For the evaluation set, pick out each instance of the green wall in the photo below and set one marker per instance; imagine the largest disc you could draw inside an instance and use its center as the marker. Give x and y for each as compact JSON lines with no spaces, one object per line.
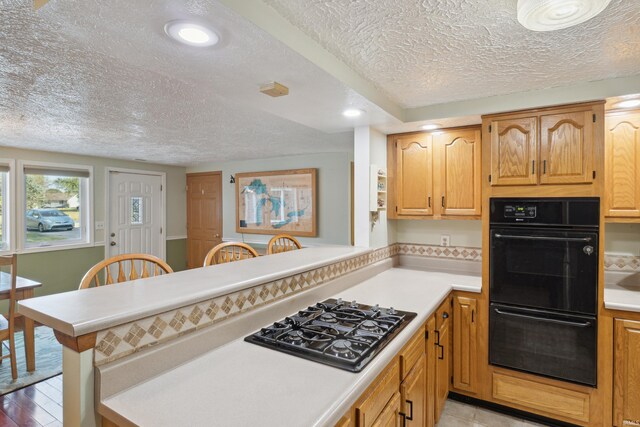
{"x":61,"y":271}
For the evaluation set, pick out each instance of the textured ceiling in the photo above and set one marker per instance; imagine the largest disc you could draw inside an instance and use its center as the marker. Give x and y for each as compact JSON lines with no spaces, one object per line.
{"x":437,"y":51}
{"x":101,"y":78}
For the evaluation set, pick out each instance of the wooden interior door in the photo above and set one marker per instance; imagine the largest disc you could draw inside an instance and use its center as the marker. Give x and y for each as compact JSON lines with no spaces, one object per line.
{"x":514,"y":151}
{"x":626,"y":385}
{"x":460,"y":162}
{"x":622,"y":165}
{"x":566,"y":148}
{"x":204,"y":215}
{"x":414,"y":154}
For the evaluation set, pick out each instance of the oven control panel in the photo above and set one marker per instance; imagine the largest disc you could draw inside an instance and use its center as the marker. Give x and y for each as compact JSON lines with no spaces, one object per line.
{"x":519,"y":211}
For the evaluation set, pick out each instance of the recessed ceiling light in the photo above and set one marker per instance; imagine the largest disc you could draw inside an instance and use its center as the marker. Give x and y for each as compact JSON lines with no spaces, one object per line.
{"x":629,"y":103}
{"x":548,"y":15}
{"x":431,"y":126}
{"x":191,"y":34}
{"x":352,"y":112}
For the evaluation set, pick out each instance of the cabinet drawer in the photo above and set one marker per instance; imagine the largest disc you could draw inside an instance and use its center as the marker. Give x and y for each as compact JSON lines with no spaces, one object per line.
{"x":411,"y":353}
{"x":542,"y":397}
{"x":379,"y":395}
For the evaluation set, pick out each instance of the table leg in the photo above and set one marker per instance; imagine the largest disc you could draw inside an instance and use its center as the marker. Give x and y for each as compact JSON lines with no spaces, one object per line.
{"x":29,"y":337}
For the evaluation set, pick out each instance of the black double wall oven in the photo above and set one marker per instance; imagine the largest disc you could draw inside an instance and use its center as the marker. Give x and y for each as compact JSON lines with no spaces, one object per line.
{"x":543,"y":286}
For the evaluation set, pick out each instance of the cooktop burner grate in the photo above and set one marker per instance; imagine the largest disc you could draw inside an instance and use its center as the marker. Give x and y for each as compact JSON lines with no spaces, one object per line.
{"x":334,"y":332}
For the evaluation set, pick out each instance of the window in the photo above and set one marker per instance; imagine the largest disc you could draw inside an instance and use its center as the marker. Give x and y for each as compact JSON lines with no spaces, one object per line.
{"x":5,"y":243}
{"x":57,"y":205}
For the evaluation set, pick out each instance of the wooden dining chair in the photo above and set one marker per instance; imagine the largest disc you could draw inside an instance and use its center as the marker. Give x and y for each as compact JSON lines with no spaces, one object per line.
{"x":229,"y":252}
{"x":149,"y":266}
{"x":7,"y":326}
{"x":282,"y":243}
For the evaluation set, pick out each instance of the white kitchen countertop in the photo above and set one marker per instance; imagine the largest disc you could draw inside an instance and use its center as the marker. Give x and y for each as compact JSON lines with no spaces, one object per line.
{"x":89,"y":310}
{"x":622,"y":291}
{"x":244,"y":384}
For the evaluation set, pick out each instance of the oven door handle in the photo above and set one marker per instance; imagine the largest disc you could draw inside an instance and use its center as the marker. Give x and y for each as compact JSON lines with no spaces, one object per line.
{"x":543,"y":238}
{"x":544,"y":319}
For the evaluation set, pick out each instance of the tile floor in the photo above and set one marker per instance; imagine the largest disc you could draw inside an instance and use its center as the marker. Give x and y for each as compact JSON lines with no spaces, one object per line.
{"x":458,"y":414}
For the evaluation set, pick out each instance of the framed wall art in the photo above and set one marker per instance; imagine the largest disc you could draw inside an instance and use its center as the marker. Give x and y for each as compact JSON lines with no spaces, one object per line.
{"x":277,"y":202}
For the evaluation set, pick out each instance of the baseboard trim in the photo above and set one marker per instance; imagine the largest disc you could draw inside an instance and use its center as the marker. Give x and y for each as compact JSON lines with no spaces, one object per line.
{"x":509,"y":411}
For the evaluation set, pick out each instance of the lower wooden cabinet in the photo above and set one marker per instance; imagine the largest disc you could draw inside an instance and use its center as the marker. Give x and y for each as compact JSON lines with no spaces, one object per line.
{"x":413,"y":392}
{"x":390,"y":415}
{"x":626,"y":371}
{"x":378,"y":395}
{"x":443,"y":355}
{"x":465,"y":353}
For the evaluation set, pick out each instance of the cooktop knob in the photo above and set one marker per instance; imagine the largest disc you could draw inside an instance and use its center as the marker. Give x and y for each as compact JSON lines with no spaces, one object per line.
{"x":391,"y":311}
{"x":354,"y":304}
{"x":375,"y":308}
{"x":339,"y":301}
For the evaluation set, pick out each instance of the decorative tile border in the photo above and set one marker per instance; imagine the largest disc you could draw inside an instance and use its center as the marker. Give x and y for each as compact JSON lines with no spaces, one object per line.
{"x":621,"y":263}
{"x":120,"y":341}
{"x":433,"y":251}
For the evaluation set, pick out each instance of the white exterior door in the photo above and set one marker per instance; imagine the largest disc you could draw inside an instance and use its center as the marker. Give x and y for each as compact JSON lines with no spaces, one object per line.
{"x":136,"y":214}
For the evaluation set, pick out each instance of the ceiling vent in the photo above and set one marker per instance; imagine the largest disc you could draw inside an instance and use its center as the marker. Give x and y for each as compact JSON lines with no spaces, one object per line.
{"x":274,"y":89}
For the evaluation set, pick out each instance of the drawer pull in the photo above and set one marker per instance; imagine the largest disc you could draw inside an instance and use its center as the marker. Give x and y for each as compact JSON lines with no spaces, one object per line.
{"x":410,"y":416}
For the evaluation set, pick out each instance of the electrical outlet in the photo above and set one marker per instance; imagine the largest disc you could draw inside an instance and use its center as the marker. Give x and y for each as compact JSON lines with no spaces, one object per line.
{"x":444,"y":240}
{"x":99,"y":225}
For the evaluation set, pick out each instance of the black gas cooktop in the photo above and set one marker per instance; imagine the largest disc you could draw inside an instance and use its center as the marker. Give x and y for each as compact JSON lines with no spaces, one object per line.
{"x":346,"y":335}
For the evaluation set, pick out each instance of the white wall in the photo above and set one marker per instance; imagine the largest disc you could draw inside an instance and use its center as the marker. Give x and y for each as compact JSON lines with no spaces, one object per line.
{"x":622,"y":239}
{"x":384,"y":232}
{"x":334,"y":170}
{"x":427,"y":232}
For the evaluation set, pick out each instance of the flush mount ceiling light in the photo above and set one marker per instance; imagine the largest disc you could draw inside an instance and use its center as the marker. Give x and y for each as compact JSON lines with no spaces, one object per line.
{"x":431,"y":126}
{"x":629,"y":103}
{"x":352,"y":112}
{"x":549,"y":15}
{"x":191,"y":34}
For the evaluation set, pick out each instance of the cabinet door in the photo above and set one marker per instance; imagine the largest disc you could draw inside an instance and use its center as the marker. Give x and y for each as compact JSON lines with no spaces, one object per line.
{"x":390,"y":415}
{"x":514,"y":151}
{"x":442,"y":368}
{"x":414,"y":191}
{"x":459,"y":161}
{"x":430,"y":369}
{"x":413,"y":392}
{"x":626,"y":386}
{"x":464,"y":344}
{"x":622,"y":165}
{"x":566,"y":148}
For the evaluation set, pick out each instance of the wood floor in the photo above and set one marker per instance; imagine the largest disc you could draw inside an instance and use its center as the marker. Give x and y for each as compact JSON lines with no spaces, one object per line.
{"x":37,"y":405}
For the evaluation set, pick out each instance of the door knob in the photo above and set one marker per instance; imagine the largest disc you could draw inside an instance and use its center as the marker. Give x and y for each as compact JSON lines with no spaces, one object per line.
{"x":113,"y":243}
{"x":113,"y":234}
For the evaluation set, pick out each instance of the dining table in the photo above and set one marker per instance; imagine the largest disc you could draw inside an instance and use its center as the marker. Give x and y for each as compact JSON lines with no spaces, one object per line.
{"x":25,"y":288}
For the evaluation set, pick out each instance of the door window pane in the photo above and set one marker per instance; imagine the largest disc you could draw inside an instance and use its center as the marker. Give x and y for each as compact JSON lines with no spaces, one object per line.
{"x":55,"y":208}
{"x":136,"y":211}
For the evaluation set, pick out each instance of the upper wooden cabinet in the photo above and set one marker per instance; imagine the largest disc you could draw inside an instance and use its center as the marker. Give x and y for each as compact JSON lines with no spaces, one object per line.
{"x":566,"y":147}
{"x":547,"y":146}
{"x":414,"y":172}
{"x":626,"y":384}
{"x":622,"y":165}
{"x":514,"y":151}
{"x":460,"y":160}
{"x":433,"y":175}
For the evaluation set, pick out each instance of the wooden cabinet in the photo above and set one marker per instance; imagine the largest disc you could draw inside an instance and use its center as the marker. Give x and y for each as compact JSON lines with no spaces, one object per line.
{"x":434,"y":175}
{"x":622,"y":165}
{"x":465,"y":354}
{"x":414,"y":174}
{"x":413,"y":392}
{"x":459,"y":163}
{"x":514,"y":151}
{"x":443,"y":351}
{"x":379,"y":394}
{"x":390,"y":415}
{"x":626,"y":387}
{"x":430,"y":371}
{"x":547,"y":146}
